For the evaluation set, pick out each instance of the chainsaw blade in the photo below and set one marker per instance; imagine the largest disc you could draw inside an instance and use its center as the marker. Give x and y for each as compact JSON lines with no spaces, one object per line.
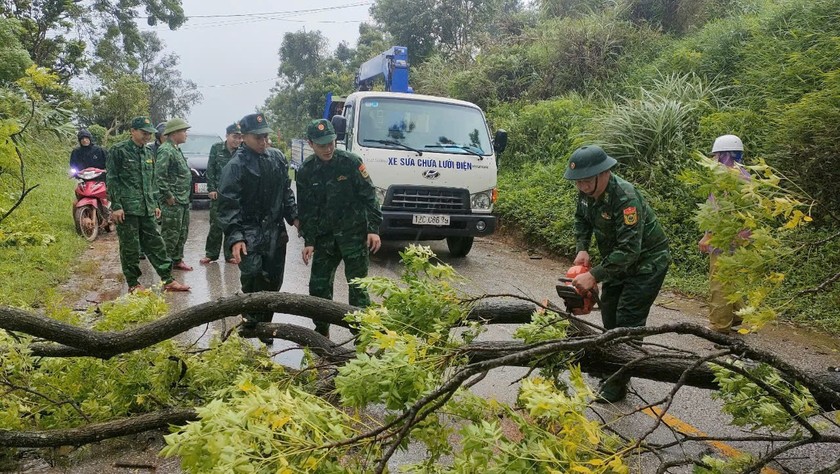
{"x":570,"y":296}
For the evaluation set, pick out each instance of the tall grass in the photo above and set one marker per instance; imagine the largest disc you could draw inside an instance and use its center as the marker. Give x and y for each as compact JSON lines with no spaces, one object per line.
{"x":31,"y":273}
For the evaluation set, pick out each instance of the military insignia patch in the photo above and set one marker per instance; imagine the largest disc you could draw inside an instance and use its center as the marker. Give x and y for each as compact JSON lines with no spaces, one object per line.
{"x":572,"y":165}
{"x":259,"y":118}
{"x":321,"y":127}
{"x":363,"y":171}
{"x":342,"y":178}
{"x":630,"y":216}
{"x":146,"y":121}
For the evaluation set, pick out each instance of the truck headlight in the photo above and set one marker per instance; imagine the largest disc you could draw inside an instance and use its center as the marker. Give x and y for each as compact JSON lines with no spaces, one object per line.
{"x":481,"y":201}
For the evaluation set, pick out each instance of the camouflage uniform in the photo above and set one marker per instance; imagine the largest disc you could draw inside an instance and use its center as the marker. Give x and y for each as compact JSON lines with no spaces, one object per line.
{"x":338,"y":209}
{"x":255,"y":195}
{"x":632,"y":244}
{"x":174,"y":180}
{"x":634,"y":249}
{"x":219,"y":157}
{"x":130,"y":180}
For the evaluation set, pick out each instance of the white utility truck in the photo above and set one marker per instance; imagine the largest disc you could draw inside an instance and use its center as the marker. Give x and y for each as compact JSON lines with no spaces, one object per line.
{"x":432,"y":159}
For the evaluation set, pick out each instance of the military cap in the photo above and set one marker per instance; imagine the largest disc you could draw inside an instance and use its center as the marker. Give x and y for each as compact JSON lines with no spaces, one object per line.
{"x":254,"y":124}
{"x":175,"y":125}
{"x":160,"y":128}
{"x":233,"y":128}
{"x":320,"y":132}
{"x":588,"y":161}
{"x":142,"y":123}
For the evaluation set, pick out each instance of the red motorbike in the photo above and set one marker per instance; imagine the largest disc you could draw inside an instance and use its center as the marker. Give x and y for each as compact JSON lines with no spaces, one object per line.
{"x":92,"y":210}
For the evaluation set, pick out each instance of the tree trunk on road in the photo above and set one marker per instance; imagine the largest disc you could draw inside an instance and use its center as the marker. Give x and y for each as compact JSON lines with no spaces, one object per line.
{"x":599,"y":352}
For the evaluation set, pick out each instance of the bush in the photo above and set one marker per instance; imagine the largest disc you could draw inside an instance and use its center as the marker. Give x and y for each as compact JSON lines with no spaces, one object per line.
{"x":584,"y":54}
{"x":538,"y":201}
{"x":542,"y":132}
{"x":677,"y":16}
{"x":653,"y":135}
{"x":806,"y":142}
{"x":815,"y":263}
{"x":503,"y":75}
{"x":45,"y":222}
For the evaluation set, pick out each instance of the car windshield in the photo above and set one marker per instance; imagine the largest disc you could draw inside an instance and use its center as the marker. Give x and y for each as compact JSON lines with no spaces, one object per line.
{"x":198,"y":144}
{"x":423,"y":125}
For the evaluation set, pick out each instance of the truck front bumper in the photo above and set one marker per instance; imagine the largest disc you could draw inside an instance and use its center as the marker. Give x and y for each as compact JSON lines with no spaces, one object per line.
{"x":399,"y":225}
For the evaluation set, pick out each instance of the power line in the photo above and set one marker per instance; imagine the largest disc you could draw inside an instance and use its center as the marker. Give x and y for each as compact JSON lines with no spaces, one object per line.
{"x":242,"y":18}
{"x":212,"y":86}
{"x":310,"y":10}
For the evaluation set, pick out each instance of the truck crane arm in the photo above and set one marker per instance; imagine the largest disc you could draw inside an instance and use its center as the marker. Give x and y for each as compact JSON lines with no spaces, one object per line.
{"x":392,"y":65}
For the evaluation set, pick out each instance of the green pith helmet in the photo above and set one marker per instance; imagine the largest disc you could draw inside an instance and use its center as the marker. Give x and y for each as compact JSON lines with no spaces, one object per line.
{"x":588,"y":161}
{"x":173,"y":125}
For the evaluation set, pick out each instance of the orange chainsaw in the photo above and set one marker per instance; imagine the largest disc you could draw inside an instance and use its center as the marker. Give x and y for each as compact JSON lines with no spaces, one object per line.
{"x":576,"y":302}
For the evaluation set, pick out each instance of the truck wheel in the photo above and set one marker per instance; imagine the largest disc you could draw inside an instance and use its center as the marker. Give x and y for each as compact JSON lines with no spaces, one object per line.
{"x":459,"y":246}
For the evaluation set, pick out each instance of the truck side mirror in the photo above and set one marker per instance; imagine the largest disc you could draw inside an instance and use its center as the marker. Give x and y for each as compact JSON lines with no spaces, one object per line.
{"x":500,"y":141}
{"x":339,"y":123}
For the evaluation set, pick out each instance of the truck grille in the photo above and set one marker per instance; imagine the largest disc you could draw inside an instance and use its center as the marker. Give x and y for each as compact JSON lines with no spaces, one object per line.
{"x":426,"y":199}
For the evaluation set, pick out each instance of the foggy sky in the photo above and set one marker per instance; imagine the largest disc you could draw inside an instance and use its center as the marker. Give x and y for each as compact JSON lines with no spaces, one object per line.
{"x":234,"y":60}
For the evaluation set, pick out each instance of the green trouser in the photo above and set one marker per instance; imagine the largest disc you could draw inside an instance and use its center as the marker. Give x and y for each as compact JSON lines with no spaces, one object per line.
{"x":330,"y":250}
{"x":215,"y":237}
{"x":262,"y":272}
{"x":626,"y":303}
{"x":174,"y":227}
{"x":140,"y":233}
{"x":721,"y":312}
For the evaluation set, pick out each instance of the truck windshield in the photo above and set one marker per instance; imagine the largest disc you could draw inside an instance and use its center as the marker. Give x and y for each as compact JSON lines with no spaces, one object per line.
{"x":433,"y":127}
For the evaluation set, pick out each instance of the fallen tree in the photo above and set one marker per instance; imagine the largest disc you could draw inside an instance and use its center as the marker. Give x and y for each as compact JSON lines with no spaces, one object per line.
{"x":556,"y":340}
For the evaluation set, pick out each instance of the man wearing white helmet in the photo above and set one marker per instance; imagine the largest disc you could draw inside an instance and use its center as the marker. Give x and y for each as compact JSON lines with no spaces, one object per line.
{"x":729,"y":151}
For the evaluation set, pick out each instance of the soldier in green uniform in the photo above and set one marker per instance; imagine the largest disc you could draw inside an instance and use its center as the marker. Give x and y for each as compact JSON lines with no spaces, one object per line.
{"x":339,"y":216}
{"x":220,"y":154}
{"x":159,"y":137}
{"x":255,"y":196}
{"x":134,"y":204}
{"x":174,"y":180}
{"x":633,"y":247}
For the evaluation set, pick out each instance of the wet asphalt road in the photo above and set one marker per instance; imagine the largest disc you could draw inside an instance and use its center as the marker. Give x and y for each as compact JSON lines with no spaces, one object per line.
{"x":496,"y":267}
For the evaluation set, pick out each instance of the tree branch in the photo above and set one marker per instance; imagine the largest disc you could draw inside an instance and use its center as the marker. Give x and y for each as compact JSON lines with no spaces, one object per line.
{"x":96,"y":431}
{"x":822,"y":285}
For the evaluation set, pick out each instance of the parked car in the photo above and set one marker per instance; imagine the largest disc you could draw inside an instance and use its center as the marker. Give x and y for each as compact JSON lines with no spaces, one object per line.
{"x":197,"y":151}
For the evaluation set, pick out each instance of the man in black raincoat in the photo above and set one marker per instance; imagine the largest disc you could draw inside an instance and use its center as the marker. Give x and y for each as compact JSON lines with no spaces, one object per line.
{"x":255,"y":196}
{"x":87,"y":155}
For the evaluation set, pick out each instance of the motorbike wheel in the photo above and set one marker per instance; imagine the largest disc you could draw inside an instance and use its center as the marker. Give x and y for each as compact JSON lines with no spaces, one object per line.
{"x":87,"y":222}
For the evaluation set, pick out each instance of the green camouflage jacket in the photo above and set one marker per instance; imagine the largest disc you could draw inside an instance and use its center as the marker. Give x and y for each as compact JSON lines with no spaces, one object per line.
{"x":130,"y":179}
{"x":174,"y":178}
{"x":255,"y":195}
{"x":219,"y":157}
{"x":336,"y":196}
{"x":630,"y":239}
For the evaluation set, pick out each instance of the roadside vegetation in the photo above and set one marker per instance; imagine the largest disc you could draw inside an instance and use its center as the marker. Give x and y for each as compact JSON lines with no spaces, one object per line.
{"x":652,"y":81}
{"x":43,"y":47}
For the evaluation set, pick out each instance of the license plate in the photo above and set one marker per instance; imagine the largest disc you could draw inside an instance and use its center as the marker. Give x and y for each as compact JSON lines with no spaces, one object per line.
{"x":201,"y":188}
{"x":430,"y":219}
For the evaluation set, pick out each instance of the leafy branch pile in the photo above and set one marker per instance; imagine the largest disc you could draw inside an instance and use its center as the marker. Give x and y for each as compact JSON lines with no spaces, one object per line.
{"x":406,"y":383}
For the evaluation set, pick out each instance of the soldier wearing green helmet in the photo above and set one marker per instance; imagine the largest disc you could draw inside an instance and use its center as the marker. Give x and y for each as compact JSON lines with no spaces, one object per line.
{"x":220,"y":155}
{"x":174,"y":181}
{"x":633,"y":247}
{"x":134,"y":204}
